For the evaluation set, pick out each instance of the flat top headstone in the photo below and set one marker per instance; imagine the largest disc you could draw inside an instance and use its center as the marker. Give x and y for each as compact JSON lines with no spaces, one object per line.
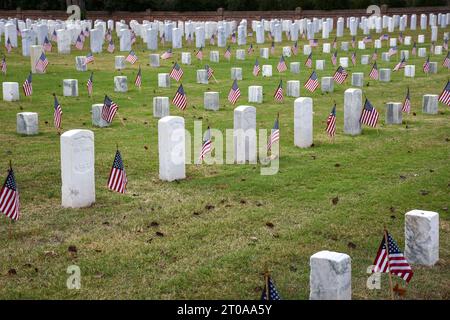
{"x":422,"y":213}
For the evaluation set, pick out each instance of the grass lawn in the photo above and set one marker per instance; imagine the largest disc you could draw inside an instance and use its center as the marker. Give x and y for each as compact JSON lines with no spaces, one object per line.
{"x":210,"y":236}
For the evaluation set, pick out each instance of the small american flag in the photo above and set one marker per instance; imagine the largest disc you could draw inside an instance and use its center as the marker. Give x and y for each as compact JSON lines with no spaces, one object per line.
{"x":400,"y":65}
{"x":331,"y":122}
{"x":3,"y":65}
{"x":274,"y":135}
{"x":90,"y":84}
{"x":79,"y":43}
{"x":392,"y":51}
{"x":8,"y":45}
{"x":82,"y":36}
{"x":138,"y":80}
{"x":233,"y":37}
{"x":133,"y":37}
{"x":353,"y":41}
{"x":109,"y":109}
{"x":54,"y":36}
{"x":272,"y":291}
{"x":406,"y":107}
{"x":272,"y":47}
{"x":132,"y":57}
{"x":335,"y":43}
{"x":392,"y":260}
{"x":108,"y":36}
{"x":281,"y":67}
{"x":308,"y":61}
{"x":57,"y":113}
{"x":86,"y":32}
{"x":89,"y":58}
{"x":334,"y":58}
{"x":9,"y":197}
{"x":313,"y":43}
{"x":47,"y":44}
{"x":445,"y":45}
{"x":227,"y":53}
{"x":206,"y":145}
{"x":446,"y":62}
{"x":374,"y":72}
{"x":250,"y":49}
{"x":210,"y":71}
{"x":234,"y":93}
{"x":199,"y":54}
{"x":375,"y":55}
{"x":426,"y":65}
{"x":400,"y":37}
{"x":369,"y":115}
{"x":163,"y":39}
{"x":212,"y":40}
{"x":414,"y":49}
{"x":117,"y":177}
{"x":256,"y":68}
{"x":111,"y":46}
{"x":176,"y":72}
{"x":279,"y":92}
{"x":42,"y":63}
{"x":295,"y":48}
{"x":28,"y":86}
{"x":444,"y":97}
{"x":353,"y":58}
{"x":180,"y":100}
{"x":340,"y":75}
{"x":432,"y":47}
{"x":189,"y":39}
{"x":367,"y":39}
{"x":313,"y":83}
{"x":166,"y":55}
{"x":384,"y":37}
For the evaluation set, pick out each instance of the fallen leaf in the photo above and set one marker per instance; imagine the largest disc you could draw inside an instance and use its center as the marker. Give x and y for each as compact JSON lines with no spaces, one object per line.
{"x":351,"y":245}
{"x":12,"y":272}
{"x":50,"y":253}
{"x":154,"y":224}
{"x":335,"y":200}
{"x":209,"y":207}
{"x":399,"y":290}
{"x":243,"y":201}
{"x":159,"y":234}
{"x":424,"y":192}
{"x":73,"y":249}
{"x":270,"y":224}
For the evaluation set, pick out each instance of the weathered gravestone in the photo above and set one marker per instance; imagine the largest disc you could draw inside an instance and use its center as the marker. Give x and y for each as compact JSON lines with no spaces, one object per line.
{"x":393,"y":113}
{"x":120,"y":84}
{"x":163,"y":80}
{"x":211,"y":100}
{"x":77,"y":168}
{"x":10,"y":91}
{"x":430,"y":104}
{"x":160,"y":107}
{"x":27,"y":123}
{"x":255,"y":94}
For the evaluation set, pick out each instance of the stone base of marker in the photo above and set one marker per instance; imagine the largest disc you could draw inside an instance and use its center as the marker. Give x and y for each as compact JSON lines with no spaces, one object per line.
{"x":120,"y":84}
{"x":211,"y":100}
{"x":171,"y":148}
{"x":410,"y":71}
{"x":293,"y":88}
{"x":264,"y":53}
{"x":330,"y":276}
{"x":344,"y":46}
{"x":422,"y":52}
{"x":240,"y":54}
{"x":422,"y":237}
{"x":119,"y":62}
{"x":365,"y":59}
{"x":27,"y":123}
{"x":438,"y":50}
{"x":326,"y":48}
{"x":267,"y":70}
{"x":236,"y":74}
{"x":163,"y":80}
{"x":80,"y":63}
{"x":306,"y":50}
{"x":385,"y":57}
{"x":10,"y":91}
{"x":303,"y":122}
{"x":154,"y":60}
{"x":160,"y":107}
{"x":287,"y":51}
{"x":320,"y":64}
{"x":214,"y":56}
{"x":70,"y":88}
{"x":255,"y":94}
{"x":393,"y":113}
{"x":357,"y":79}
{"x":327,"y":84}
{"x":430,"y":103}
{"x":352,"y":111}
{"x":97,"y":119}
{"x":202,"y":76}
{"x":77,"y":168}
{"x":294,"y":67}
{"x":343,"y":62}
{"x":186,"y":58}
{"x":385,"y":75}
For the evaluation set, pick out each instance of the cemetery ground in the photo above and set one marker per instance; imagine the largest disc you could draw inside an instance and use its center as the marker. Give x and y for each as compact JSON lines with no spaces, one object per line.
{"x":212,"y":235}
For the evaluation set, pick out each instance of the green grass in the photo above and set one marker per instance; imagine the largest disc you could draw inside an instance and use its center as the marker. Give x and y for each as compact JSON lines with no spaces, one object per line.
{"x":216,"y":243}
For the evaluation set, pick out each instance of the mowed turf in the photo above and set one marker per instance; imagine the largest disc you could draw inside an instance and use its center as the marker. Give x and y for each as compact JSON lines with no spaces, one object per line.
{"x":212,"y":235}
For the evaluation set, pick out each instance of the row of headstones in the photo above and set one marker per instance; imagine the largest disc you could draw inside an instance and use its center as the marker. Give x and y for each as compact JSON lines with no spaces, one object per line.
{"x":27,"y":122}
{"x":330,"y":272}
